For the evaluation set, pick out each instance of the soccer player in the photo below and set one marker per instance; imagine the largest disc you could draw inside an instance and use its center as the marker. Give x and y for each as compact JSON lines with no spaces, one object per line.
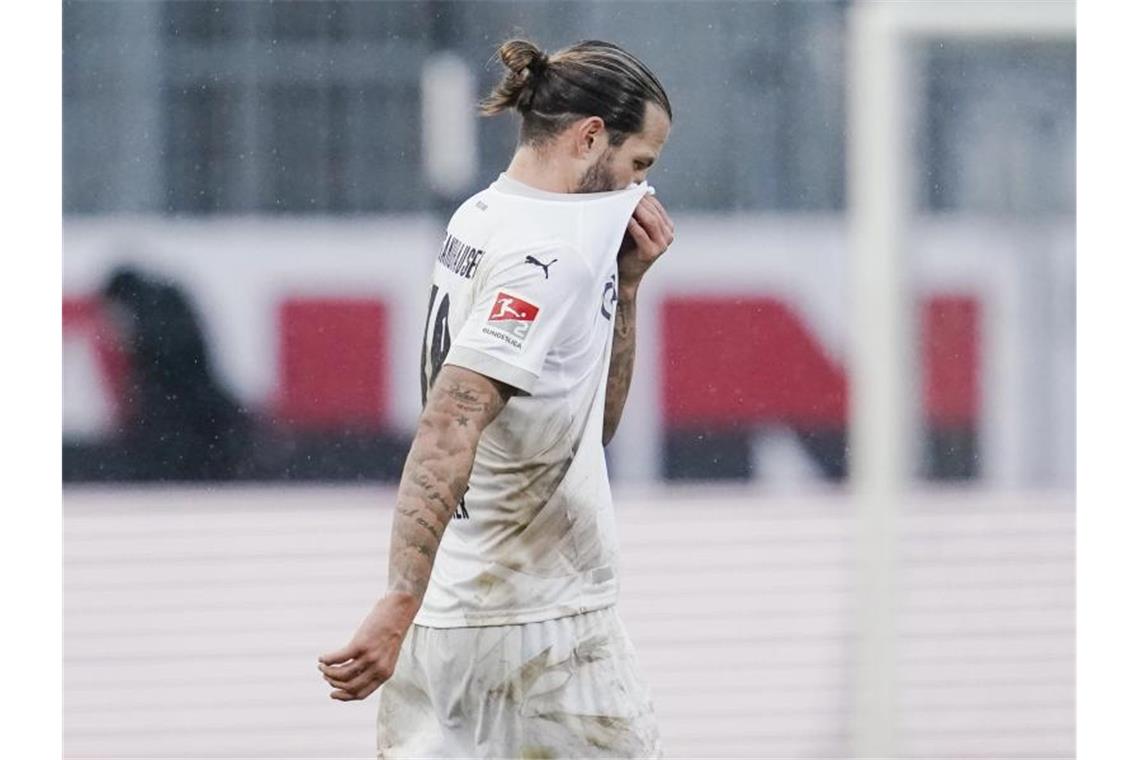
{"x":510,"y":645}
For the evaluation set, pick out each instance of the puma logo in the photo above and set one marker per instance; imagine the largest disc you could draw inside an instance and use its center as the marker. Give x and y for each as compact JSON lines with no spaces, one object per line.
{"x":537,"y":263}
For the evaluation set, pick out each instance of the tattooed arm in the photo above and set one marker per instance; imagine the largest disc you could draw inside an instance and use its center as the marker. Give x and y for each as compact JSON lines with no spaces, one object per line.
{"x":459,"y":406}
{"x":621,"y":360}
{"x":648,"y":235}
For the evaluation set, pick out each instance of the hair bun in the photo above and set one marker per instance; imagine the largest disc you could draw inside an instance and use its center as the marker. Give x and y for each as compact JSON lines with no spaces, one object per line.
{"x":522,"y":55}
{"x":539,"y":64}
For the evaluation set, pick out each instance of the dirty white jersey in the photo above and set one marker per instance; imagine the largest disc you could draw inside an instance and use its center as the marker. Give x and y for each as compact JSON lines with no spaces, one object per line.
{"x":523,"y":291}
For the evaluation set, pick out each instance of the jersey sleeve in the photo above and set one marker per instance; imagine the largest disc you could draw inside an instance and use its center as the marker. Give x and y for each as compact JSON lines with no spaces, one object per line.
{"x":528,"y":302}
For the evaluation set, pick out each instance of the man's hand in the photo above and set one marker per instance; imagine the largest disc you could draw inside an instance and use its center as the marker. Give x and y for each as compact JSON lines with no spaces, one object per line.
{"x":649,"y":233}
{"x":357,"y":670}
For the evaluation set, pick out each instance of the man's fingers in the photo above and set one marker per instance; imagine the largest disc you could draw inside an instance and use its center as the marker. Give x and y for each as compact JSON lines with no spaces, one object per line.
{"x":660,"y":227}
{"x":661,"y":209}
{"x":639,"y":235}
{"x":663,"y":215}
{"x":337,"y":683}
{"x":359,"y":688}
{"x":651,"y":203}
{"x":365,"y":683}
{"x":340,"y":656}
{"x":648,"y":215}
{"x":666,"y":222}
{"x":342,"y":672}
{"x":653,"y":224}
{"x":356,"y":680}
{"x":352,"y":687}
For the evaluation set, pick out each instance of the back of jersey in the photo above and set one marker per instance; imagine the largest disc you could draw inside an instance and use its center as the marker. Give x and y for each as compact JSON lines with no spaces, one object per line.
{"x":523,"y":292}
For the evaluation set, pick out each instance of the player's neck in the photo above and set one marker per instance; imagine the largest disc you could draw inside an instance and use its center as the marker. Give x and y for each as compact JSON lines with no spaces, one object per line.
{"x":540,"y":172}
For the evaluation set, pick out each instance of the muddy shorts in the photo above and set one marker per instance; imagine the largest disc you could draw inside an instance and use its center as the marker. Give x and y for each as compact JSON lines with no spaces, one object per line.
{"x":562,"y":688}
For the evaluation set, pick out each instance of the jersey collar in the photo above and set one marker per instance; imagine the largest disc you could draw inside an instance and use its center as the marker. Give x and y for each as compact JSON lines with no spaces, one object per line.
{"x":511,"y":186}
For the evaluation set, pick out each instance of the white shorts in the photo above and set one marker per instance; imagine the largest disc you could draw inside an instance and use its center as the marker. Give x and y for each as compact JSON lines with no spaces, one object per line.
{"x":562,"y":688}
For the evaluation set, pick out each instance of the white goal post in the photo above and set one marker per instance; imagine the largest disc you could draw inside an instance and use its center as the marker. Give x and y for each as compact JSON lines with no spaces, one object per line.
{"x":883,"y":367}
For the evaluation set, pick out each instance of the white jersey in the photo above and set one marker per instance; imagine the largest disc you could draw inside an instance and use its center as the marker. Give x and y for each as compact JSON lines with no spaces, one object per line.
{"x":524,"y":291}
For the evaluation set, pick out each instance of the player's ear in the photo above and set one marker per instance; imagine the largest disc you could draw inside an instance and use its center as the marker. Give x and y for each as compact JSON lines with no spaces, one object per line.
{"x":590,"y":135}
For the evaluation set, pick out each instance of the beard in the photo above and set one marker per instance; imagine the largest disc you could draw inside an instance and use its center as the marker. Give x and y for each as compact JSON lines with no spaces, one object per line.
{"x":599,"y":178}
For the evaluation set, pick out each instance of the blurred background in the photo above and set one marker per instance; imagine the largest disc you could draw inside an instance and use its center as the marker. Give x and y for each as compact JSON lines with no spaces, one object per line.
{"x":253,"y":195}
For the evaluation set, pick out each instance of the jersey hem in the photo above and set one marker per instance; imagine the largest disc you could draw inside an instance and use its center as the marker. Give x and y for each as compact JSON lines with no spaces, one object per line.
{"x":514,"y":618}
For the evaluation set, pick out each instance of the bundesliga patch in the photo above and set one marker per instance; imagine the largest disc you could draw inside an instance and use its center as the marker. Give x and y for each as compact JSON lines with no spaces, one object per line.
{"x":510,"y":319}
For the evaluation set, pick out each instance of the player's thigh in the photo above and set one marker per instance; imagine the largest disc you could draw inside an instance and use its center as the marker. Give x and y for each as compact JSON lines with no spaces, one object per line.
{"x":573,"y":690}
{"x":406,"y":724}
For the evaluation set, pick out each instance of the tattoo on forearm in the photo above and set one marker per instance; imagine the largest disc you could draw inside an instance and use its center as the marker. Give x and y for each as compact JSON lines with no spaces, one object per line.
{"x":428,"y":527}
{"x":435,"y":477}
{"x":621,"y":366}
{"x":623,"y":321}
{"x":466,"y":399}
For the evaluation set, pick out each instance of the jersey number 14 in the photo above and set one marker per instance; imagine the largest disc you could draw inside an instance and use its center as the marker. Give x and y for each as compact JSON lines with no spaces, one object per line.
{"x":437,"y":341}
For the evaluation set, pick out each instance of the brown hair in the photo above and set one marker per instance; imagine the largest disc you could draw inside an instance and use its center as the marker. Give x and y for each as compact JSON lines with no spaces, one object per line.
{"x":590,"y":78}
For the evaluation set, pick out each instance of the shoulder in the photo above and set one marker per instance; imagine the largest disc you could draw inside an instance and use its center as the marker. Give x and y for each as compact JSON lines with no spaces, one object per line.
{"x":552,"y":265}
{"x":474,"y":207}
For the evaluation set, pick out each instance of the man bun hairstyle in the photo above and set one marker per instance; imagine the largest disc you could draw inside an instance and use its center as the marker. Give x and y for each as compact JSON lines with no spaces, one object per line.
{"x":525,"y":63}
{"x":590,"y":78}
